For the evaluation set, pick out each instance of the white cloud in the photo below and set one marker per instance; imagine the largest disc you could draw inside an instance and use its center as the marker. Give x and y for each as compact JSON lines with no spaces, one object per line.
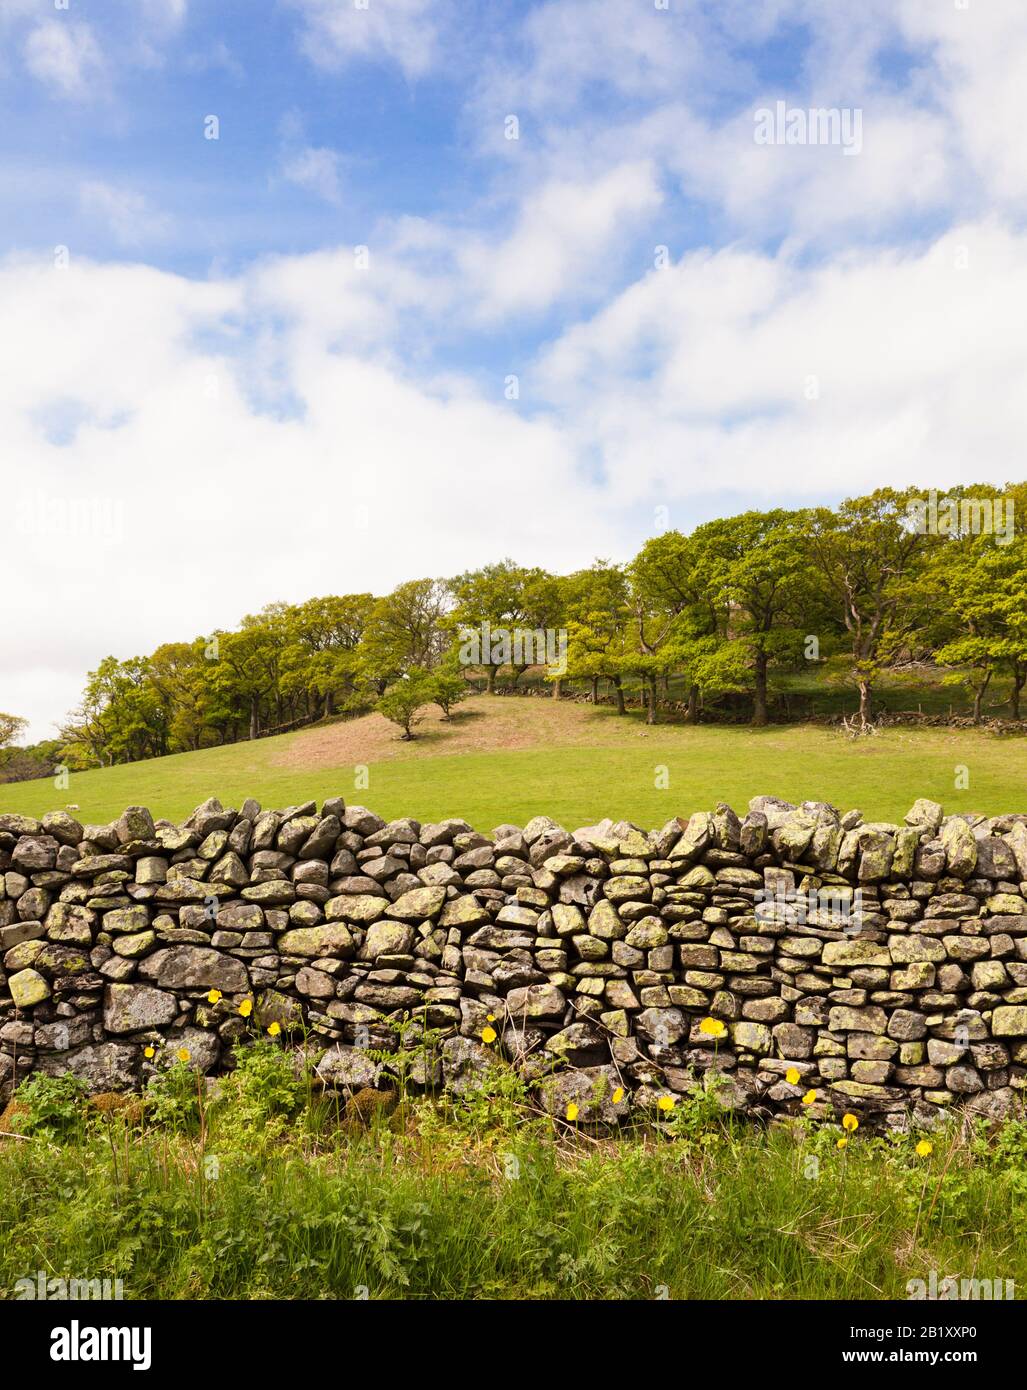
{"x":364,"y":477}
{"x":562,"y":242}
{"x":128,"y":215}
{"x":404,"y":31}
{"x":63,"y":54}
{"x":316,"y":169}
{"x":753,"y":374}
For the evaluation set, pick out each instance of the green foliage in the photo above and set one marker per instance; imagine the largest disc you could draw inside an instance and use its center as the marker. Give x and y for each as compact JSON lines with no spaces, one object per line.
{"x":54,"y":1106}
{"x":174,"y":1099}
{"x":402,"y":702}
{"x":483,"y":1199}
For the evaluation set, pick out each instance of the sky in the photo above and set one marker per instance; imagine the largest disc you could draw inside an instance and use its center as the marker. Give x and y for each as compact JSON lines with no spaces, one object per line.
{"x":316,"y":296}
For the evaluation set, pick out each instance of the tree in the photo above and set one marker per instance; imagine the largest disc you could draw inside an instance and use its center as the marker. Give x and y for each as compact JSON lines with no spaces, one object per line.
{"x":973,"y":604}
{"x":11,"y":728}
{"x":598,"y":623}
{"x":404,"y":700}
{"x":448,"y":686}
{"x":406,"y":629}
{"x":756,"y":569}
{"x":866,"y":554}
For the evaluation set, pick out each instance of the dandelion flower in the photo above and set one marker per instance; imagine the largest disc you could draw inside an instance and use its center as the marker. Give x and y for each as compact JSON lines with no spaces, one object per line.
{"x":665,"y":1103}
{"x":491,"y":1018}
{"x":274,"y":1029}
{"x":842,"y":1142}
{"x":792,"y":1076}
{"x":246,"y":1008}
{"x":488,"y":1035}
{"x":148,"y":1052}
{"x":618,"y":1095}
{"x":183,"y":1054}
{"x":850,"y":1123}
{"x":713,"y":1028}
{"x":809,"y":1097}
{"x":213,"y":996}
{"x":925,"y":1148}
{"x":572,"y":1111}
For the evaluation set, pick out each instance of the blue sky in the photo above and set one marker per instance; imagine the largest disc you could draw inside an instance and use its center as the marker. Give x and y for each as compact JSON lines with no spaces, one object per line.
{"x":633,"y":315}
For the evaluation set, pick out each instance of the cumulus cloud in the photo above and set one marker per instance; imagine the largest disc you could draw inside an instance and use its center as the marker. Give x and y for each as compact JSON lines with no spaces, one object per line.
{"x":405,"y":32}
{"x":65,"y":56}
{"x":184,"y":493}
{"x":128,"y":215}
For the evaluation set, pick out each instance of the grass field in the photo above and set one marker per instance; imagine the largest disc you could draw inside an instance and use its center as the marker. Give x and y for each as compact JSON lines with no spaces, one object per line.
{"x":507,"y":759}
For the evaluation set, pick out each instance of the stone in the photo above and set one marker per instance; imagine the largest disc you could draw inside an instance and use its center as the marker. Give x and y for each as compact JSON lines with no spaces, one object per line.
{"x":133,"y":1008}
{"x":195,"y":967}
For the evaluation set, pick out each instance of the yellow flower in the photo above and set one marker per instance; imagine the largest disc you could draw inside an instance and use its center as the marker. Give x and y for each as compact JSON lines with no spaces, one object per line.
{"x":842,"y":1142}
{"x":618,"y":1095}
{"x":809,"y":1097}
{"x":488,"y":1035}
{"x":792,"y":1076}
{"x":246,"y":1008}
{"x":924,"y":1148}
{"x":274,"y":1029}
{"x":491,"y":1018}
{"x":665,"y":1103}
{"x":183,"y":1054}
{"x":213,"y":996}
{"x":850,"y":1123}
{"x":572,"y":1111}
{"x":148,"y":1052}
{"x":713,"y":1028}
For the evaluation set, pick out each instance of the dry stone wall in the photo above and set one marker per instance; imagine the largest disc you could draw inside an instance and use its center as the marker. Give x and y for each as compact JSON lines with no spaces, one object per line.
{"x":881,"y":968}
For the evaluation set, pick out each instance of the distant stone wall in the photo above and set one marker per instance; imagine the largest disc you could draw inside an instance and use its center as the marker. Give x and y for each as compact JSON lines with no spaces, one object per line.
{"x":801,"y":955}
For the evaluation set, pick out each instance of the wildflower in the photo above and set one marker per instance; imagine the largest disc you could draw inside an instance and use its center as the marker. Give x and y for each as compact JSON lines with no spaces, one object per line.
{"x":488,"y":1035}
{"x":572,"y":1111}
{"x":148,"y":1052}
{"x":850,"y":1123}
{"x":842,"y":1142}
{"x":246,"y":1008}
{"x":792,"y":1076}
{"x":925,"y":1148}
{"x":809,"y":1097}
{"x":183,"y":1054}
{"x":491,"y":1018}
{"x":618,"y":1095}
{"x":713,"y":1028}
{"x":274,"y":1029}
{"x":213,"y":996}
{"x":665,"y":1103}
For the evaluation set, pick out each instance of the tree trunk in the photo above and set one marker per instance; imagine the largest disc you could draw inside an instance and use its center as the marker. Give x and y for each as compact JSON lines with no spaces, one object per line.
{"x":556,"y":688}
{"x":759,"y":698}
{"x":693,"y":704}
{"x":979,"y":696}
{"x":490,"y":680}
{"x":254,"y":717}
{"x":650,"y":714}
{"x":595,"y":690}
{"x":618,"y":691}
{"x":1019,"y":678}
{"x":864,"y":703}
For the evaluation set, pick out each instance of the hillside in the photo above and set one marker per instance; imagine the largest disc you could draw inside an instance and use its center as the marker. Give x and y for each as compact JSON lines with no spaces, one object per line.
{"x":505,"y":758}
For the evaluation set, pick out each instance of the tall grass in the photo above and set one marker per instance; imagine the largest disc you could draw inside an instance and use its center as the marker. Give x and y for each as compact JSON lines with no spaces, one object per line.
{"x":291,"y":1199}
